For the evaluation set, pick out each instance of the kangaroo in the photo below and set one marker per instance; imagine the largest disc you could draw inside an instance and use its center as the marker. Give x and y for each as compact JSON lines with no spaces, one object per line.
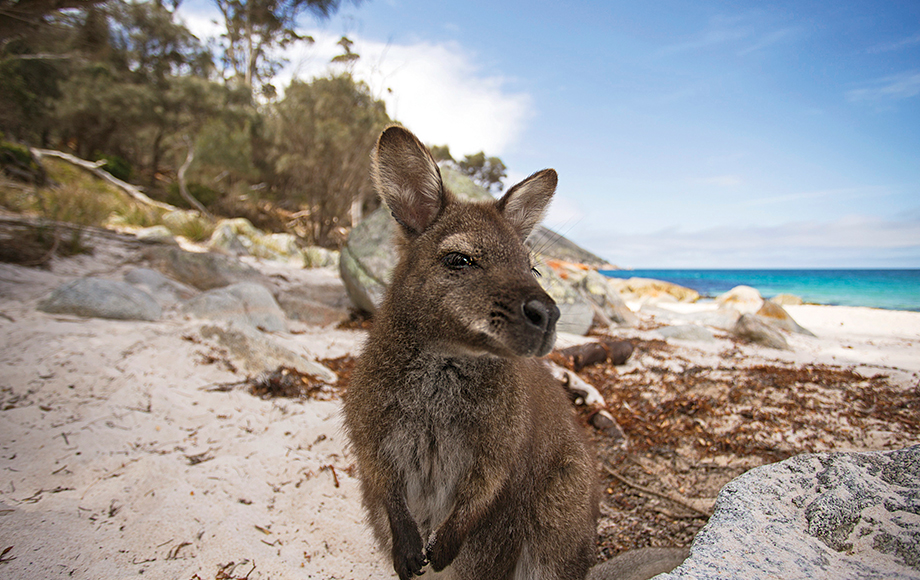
{"x":468,"y":453}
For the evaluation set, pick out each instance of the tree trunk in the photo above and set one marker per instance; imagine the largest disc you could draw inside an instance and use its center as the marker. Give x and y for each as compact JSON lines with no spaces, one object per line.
{"x":183,"y":189}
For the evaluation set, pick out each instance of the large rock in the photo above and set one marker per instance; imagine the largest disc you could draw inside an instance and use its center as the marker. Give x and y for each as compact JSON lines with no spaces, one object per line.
{"x":165,"y":291}
{"x":203,"y":270}
{"x":829,"y":515}
{"x":753,"y":328}
{"x":650,"y":290}
{"x":744,"y":299}
{"x":576,"y":315}
{"x":778,"y":317}
{"x":601,"y":292}
{"x":368,"y":258}
{"x":244,"y":304}
{"x":787,"y":300}
{"x":101,"y":298}
{"x":303,"y":304}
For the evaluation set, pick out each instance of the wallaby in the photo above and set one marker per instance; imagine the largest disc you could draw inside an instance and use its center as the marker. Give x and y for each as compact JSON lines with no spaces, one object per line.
{"x":469,"y":455}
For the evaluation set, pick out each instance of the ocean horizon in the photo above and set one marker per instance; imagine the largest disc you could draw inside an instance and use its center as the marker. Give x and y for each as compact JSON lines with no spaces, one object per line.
{"x":891,"y":289}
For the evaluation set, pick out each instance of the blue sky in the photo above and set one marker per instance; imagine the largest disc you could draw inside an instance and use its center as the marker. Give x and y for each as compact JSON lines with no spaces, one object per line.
{"x":686,"y":134}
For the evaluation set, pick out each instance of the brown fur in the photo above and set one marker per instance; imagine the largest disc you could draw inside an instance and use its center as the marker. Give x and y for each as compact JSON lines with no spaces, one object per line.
{"x":467,"y":449}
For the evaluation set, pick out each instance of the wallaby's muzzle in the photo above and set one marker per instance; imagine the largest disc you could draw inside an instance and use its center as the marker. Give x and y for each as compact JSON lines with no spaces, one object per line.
{"x":541,"y":314}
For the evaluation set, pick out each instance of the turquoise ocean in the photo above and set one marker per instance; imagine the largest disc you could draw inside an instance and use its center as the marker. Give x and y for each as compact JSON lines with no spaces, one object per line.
{"x":889,"y":289}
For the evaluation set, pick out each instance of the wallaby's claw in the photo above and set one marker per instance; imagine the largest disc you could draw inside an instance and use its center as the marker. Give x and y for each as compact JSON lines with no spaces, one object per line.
{"x":411,"y":566}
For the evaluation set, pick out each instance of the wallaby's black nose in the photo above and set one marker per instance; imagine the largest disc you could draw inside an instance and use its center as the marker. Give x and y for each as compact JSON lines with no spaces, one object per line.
{"x":541,"y":315}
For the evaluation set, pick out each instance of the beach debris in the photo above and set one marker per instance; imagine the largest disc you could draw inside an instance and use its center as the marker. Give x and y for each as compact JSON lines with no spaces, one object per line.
{"x":585,"y":394}
{"x":617,"y":352}
{"x":292,"y":384}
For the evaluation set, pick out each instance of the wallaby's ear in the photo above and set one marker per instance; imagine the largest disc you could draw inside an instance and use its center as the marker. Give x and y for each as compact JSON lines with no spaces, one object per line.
{"x":408,"y":179}
{"x":525,"y":203}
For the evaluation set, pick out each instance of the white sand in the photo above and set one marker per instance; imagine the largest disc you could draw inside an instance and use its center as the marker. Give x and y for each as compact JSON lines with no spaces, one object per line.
{"x":99,"y":420}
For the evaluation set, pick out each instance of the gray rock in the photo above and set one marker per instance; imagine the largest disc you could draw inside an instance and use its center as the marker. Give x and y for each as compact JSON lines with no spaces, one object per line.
{"x":776,"y":315}
{"x":639,"y":564}
{"x":753,"y":328}
{"x":692,"y":332}
{"x":576,"y":315}
{"x":369,"y":256}
{"x":744,"y":299}
{"x":226,"y":238}
{"x":159,"y":234}
{"x":828,"y":515}
{"x":100,"y":298}
{"x":723,"y":318}
{"x":367,"y":260}
{"x":245,"y":304}
{"x":254,"y":352}
{"x":205,"y":270}
{"x":304,"y":305}
{"x":165,"y":291}
{"x":599,"y":290}
{"x":317,"y":257}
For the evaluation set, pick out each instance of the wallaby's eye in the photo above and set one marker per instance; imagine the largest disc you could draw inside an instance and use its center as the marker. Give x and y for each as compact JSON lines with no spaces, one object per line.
{"x":457,"y":261}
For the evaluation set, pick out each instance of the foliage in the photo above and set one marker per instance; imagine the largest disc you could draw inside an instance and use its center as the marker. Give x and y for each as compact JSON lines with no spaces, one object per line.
{"x":202,"y":193}
{"x":488,"y":172}
{"x":322,"y":135}
{"x":442,"y":153}
{"x":256,"y":29}
{"x":119,"y":167}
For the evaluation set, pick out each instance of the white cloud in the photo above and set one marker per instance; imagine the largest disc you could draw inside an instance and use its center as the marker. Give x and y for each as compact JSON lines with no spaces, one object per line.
{"x":889,"y":88}
{"x":436,"y":90}
{"x":896,"y":45}
{"x":721,"y":180}
{"x":854,"y":241}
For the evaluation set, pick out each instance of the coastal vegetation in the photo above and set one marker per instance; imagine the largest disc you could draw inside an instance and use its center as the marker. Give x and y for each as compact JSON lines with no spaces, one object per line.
{"x":195,"y":123}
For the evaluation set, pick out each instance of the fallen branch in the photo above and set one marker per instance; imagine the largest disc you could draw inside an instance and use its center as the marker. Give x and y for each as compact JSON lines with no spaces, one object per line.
{"x":670,"y":496}
{"x":94,"y":168}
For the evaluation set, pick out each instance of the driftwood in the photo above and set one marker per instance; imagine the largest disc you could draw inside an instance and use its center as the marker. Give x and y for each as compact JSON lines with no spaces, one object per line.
{"x":96,"y":170}
{"x":583,"y":355}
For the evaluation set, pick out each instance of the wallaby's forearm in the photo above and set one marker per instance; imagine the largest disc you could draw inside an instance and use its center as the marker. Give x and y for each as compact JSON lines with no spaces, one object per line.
{"x":408,"y":554}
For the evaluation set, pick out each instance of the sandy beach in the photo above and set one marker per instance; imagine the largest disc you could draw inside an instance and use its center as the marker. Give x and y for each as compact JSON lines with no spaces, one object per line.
{"x":119,"y":459}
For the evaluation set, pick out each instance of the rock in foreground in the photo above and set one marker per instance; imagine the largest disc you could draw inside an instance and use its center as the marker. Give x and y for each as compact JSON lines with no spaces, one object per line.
{"x":828,"y":515}
{"x":100,"y":298}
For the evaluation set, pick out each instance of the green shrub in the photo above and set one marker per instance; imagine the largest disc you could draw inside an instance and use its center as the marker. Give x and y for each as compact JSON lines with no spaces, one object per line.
{"x":204,"y":194}
{"x":119,"y":167}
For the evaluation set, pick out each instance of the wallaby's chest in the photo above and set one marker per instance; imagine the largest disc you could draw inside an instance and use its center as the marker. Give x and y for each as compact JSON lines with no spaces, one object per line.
{"x":432,"y":442}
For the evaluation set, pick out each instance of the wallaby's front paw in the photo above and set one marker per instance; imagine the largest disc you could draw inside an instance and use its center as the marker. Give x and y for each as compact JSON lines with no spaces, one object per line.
{"x":442,"y":549}
{"x":408,"y":558}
